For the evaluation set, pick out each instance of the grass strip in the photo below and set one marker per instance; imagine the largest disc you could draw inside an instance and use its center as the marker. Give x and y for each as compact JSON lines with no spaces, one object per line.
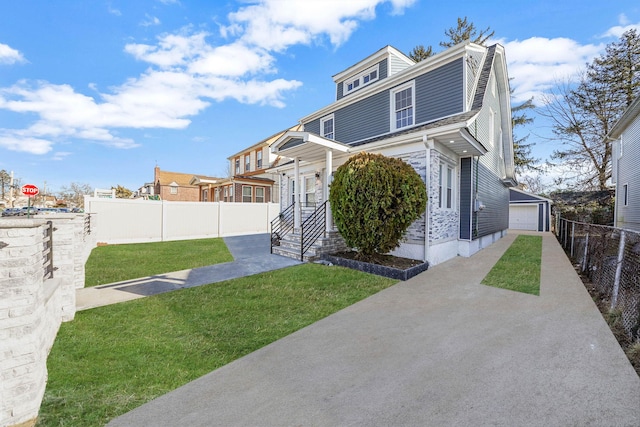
{"x":114,"y":263}
{"x":519,"y":267}
{"x":112,"y":359}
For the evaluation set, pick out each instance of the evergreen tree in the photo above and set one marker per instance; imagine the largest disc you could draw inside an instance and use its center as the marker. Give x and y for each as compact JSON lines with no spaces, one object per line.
{"x":420,"y":53}
{"x":464,"y":31}
{"x":521,"y":149}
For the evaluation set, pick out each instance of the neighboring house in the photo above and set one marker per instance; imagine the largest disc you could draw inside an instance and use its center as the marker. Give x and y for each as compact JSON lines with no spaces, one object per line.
{"x":250,"y":180}
{"x":174,"y":186}
{"x":626,"y":167}
{"x":448,"y":116}
{"x":528,"y":211}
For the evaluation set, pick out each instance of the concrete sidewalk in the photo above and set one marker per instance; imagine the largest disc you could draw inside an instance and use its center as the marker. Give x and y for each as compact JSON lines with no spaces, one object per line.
{"x":438,"y":350}
{"x":251,"y":255}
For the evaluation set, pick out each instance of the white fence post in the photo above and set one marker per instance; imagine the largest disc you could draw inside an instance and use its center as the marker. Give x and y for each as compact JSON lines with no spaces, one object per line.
{"x":616,"y":282}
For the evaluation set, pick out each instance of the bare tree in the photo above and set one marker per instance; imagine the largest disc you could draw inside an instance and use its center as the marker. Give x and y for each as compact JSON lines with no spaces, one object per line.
{"x":75,"y":193}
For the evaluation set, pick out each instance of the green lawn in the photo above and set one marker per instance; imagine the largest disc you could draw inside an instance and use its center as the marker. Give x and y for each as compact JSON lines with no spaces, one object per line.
{"x":519,"y":267}
{"x":112,"y":359}
{"x":114,"y":263}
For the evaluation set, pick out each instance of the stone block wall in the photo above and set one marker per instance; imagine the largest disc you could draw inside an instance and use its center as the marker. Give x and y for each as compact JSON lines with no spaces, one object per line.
{"x":32,"y":308}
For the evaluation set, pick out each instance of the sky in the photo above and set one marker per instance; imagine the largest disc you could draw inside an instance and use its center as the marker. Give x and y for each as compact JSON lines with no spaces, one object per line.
{"x":100,"y":92}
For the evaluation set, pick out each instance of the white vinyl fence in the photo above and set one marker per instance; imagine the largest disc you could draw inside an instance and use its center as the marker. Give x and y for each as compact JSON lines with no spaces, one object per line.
{"x":138,"y":220}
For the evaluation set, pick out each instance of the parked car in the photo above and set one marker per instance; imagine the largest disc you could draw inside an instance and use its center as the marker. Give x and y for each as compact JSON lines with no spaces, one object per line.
{"x":12,"y":212}
{"x":29,"y":210}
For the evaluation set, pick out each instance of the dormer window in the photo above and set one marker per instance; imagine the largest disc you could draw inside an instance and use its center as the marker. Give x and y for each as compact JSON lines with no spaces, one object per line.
{"x":361,"y":80}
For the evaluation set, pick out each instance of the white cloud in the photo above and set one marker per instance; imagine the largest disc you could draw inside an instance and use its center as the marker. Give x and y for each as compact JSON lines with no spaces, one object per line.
{"x":278,"y":24}
{"x":8,"y":55}
{"x":186,"y":73}
{"x":150,"y":20}
{"x":537,"y":64}
{"x":60,"y":155}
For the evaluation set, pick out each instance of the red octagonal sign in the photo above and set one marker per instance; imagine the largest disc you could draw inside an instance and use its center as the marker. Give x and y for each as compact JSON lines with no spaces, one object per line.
{"x":30,"y":190}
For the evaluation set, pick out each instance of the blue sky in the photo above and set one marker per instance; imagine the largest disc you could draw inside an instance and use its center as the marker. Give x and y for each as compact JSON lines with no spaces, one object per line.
{"x":99,"y":92}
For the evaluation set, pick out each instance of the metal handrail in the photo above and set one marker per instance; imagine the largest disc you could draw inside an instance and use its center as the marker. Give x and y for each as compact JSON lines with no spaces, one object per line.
{"x":47,"y":250}
{"x":282,"y":225}
{"x":312,"y":228}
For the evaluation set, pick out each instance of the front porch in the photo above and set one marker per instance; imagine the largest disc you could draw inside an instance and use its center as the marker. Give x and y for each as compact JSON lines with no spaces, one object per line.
{"x":305,"y":229}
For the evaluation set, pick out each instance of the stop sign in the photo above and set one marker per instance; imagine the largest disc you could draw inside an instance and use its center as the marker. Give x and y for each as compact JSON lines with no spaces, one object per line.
{"x":30,"y":190}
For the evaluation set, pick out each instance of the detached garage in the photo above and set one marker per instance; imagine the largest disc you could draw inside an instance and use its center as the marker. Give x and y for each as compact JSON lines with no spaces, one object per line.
{"x":528,"y":211}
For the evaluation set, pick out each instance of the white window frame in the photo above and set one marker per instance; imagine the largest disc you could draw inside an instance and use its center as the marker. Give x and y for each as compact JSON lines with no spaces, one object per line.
{"x":259,"y":198}
{"x":237,"y":165}
{"x":250,"y":188}
{"x":328,"y":135}
{"x":409,"y":85}
{"x":446,"y":186}
{"x":173,"y":189}
{"x":259,"y":159}
{"x":309,"y":194}
{"x":361,"y":80}
{"x":247,"y":162}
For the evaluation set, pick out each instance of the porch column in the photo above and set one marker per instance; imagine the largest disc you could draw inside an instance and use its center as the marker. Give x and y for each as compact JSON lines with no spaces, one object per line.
{"x":296,"y":193}
{"x":327,"y":181}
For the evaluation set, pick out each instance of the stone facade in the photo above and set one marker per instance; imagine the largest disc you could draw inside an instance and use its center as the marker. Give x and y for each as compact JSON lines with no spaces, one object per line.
{"x":443,"y":224}
{"x":415,"y":232}
{"x":32,"y":308}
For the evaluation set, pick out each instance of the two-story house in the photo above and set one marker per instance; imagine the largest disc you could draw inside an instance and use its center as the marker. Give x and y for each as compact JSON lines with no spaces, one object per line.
{"x":448,"y":116}
{"x":250,"y":180}
{"x":626,"y":167}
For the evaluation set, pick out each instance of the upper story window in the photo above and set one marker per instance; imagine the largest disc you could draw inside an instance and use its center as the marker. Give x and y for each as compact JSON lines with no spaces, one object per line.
{"x":403,"y":106}
{"x":259,"y":159}
{"x":247,"y":162}
{"x":366,"y":77}
{"x":173,"y":188}
{"x":237,"y":166}
{"x":327,"y":127}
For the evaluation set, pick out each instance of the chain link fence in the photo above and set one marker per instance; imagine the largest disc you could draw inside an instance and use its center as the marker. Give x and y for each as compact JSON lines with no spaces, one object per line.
{"x":610,"y":258}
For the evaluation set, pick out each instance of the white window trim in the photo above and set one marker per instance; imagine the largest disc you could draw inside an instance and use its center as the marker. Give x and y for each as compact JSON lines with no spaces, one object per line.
{"x":392,"y":103}
{"x":322,"y":122}
{"x":442,"y":186}
{"x":247,"y":164}
{"x":360,"y":78}
{"x":259,"y":162}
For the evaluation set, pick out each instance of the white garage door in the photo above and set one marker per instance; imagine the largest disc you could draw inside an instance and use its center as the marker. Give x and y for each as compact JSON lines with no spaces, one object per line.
{"x":523,"y":217}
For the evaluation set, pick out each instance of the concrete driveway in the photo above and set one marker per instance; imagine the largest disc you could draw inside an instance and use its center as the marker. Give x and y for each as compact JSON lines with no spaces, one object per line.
{"x":438,"y":350}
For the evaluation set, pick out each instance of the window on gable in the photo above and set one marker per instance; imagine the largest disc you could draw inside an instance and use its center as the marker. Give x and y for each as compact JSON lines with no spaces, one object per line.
{"x":259,"y":159}
{"x":366,"y":77}
{"x":402,"y":106}
{"x":173,"y":189}
{"x":327,"y":127}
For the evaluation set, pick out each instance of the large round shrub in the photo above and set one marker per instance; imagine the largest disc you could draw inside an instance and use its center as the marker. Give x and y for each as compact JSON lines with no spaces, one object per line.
{"x":374,"y":199}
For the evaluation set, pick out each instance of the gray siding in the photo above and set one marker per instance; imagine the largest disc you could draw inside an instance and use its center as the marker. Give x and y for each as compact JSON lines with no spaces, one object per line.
{"x":466,"y":176}
{"x":491,"y":193}
{"x":516,"y":196}
{"x":629,"y":174}
{"x":440,"y":93}
{"x":541,"y":217}
{"x":364,"y":119}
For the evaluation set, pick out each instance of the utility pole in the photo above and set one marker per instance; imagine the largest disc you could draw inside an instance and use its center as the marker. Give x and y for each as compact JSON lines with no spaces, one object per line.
{"x":11,"y":191}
